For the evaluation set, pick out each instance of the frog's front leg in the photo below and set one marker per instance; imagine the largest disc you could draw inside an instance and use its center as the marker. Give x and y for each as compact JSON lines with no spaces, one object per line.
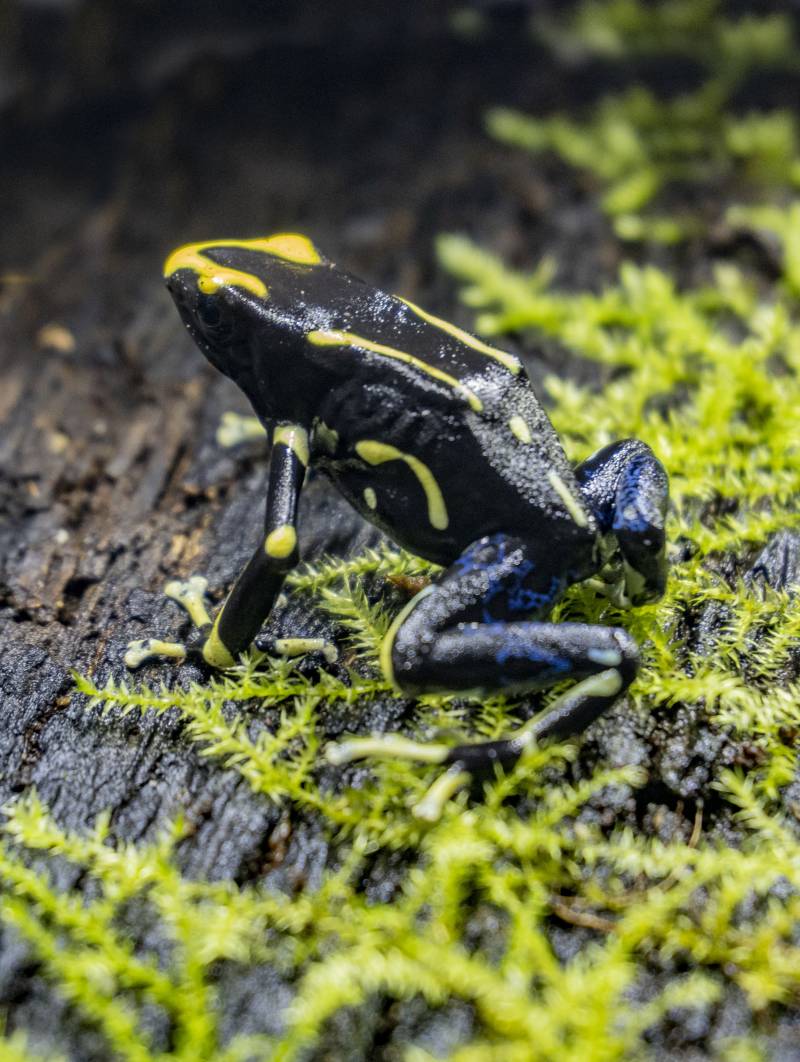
{"x":474,"y":630}
{"x":255,"y":591}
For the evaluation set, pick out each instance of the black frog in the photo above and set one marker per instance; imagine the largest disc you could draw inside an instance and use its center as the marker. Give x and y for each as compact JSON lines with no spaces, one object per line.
{"x":439,"y":440}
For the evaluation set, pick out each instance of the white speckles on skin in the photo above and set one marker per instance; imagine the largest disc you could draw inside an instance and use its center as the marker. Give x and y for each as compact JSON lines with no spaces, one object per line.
{"x":520,"y":429}
{"x":629,"y":513}
{"x":571,"y":503}
{"x":370,"y":498}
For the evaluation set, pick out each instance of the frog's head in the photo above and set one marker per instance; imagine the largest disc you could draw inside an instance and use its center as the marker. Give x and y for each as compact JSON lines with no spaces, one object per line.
{"x":222,"y":287}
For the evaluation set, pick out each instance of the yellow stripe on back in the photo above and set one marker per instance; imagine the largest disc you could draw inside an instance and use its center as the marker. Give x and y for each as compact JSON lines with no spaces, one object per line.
{"x":330,"y":338}
{"x":511,"y":362}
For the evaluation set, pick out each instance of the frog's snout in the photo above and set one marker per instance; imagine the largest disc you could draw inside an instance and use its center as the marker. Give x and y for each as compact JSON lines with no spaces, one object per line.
{"x":182,"y":286}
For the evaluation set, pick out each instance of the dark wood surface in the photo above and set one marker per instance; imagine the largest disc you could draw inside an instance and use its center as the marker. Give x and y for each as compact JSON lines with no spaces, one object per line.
{"x":128,"y":129}
{"x":110,"y":477}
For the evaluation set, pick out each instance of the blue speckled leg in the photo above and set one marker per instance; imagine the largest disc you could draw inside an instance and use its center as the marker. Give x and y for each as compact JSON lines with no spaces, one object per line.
{"x":479,"y":628}
{"x":626,"y":487}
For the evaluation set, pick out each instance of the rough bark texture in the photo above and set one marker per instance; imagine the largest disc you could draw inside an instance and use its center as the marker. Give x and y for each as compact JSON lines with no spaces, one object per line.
{"x":130,"y":129}
{"x":112,"y":480}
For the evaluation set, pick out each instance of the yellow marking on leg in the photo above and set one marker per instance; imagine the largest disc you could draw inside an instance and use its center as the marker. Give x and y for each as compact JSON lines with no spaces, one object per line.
{"x":430,"y":808}
{"x":281,"y":542}
{"x":290,"y":246}
{"x":385,"y":657}
{"x":603,"y":684}
{"x":375,"y":453}
{"x":294,"y":438}
{"x":385,"y":747}
{"x":370,"y":498}
{"x":300,"y":646}
{"x":190,"y":595}
{"x":608,"y":657}
{"x":325,"y":436}
{"x":520,"y":429}
{"x":330,"y":338}
{"x":571,"y":503}
{"x":145,"y":648}
{"x":215,"y":652}
{"x":511,"y":362}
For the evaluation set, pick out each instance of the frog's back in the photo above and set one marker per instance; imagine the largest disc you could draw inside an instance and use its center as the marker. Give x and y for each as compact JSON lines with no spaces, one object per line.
{"x":340,"y":328}
{"x":434,"y":435}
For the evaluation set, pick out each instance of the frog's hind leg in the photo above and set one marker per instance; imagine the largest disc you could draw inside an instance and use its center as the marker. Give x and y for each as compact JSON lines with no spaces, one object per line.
{"x":472,"y":631}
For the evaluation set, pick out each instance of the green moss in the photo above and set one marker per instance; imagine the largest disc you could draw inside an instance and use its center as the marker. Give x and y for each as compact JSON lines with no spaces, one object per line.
{"x":782,"y":224}
{"x":637,"y":144}
{"x":710,"y":377}
{"x":694,"y":374}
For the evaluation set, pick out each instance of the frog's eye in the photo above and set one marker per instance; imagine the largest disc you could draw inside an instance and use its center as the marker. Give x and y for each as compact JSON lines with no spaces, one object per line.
{"x":208,"y":311}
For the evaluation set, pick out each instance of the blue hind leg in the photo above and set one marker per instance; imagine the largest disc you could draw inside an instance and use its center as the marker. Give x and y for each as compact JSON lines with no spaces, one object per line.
{"x":478,"y":629}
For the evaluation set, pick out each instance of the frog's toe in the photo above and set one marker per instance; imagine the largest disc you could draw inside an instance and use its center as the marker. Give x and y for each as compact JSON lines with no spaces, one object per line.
{"x":235,"y":428}
{"x":291,"y":647}
{"x":190,"y":595}
{"x":143,"y":649}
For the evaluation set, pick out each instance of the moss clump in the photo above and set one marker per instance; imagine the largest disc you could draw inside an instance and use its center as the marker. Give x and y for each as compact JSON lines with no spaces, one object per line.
{"x":639,"y":144}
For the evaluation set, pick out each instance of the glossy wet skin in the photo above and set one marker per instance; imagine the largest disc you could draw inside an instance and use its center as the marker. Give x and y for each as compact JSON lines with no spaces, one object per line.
{"x":439,"y":440}
{"x":306,"y":353}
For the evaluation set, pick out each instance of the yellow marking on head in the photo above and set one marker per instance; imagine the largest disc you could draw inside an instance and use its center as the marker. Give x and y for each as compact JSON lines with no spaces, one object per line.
{"x":330,"y":338}
{"x":511,"y":362}
{"x":215,"y":652}
{"x":294,"y":438}
{"x":370,"y":498}
{"x":375,"y":453}
{"x":520,"y":429}
{"x":281,"y":542}
{"x":289,"y":245}
{"x":211,"y":277}
{"x":571,"y":503}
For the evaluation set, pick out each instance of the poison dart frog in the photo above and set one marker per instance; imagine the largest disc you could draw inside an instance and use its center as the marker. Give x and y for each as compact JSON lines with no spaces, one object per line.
{"x":439,"y":440}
